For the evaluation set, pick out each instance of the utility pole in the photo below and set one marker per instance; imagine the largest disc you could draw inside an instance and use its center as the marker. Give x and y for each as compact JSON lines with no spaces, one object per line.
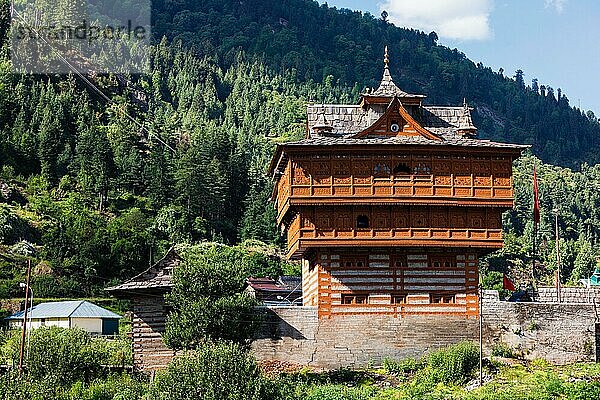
{"x":558,"y":285}
{"x":22,"y":349}
{"x":480,"y":331}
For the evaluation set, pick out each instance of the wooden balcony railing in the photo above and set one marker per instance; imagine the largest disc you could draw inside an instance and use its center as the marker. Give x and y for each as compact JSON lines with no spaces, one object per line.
{"x":300,"y":239}
{"x":409,"y":189}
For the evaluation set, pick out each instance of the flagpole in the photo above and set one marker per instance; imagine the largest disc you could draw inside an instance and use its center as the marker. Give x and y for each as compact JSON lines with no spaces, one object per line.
{"x":480,"y":288}
{"x":536,"y":221}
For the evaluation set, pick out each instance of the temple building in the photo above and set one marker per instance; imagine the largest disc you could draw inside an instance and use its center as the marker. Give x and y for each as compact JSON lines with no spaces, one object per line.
{"x":390,"y":203}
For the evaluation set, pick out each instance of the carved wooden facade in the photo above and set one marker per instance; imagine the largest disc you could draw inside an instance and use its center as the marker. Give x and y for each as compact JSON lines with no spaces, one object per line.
{"x":390,"y":204}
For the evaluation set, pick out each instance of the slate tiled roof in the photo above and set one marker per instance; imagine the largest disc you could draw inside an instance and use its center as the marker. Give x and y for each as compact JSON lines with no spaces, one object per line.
{"x":157,"y":277}
{"x":344,"y":119}
{"x":438,"y":117}
{"x":66,"y":309}
{"x":449,"y":139}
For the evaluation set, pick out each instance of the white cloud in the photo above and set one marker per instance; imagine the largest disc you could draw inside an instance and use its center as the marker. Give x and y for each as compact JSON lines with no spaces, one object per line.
{"x":452,"y":19}
{"x":558,"y":5}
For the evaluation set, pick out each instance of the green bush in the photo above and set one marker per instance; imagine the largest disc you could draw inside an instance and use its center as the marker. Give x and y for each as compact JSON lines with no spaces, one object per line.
{"x":503,"y":350}
{"x":21,"y":387}
{"x":12,"y":227}
{"x":454,"y":364}
{"x":339,"y":392}
{"x":114,"y":387}
{"x":403,"y":367}
{"x":215,"y":371}
{"x":117,"y":351}
{"x":207,"y":299}
{"x":9,"y":347}
{"x":67,"y":355}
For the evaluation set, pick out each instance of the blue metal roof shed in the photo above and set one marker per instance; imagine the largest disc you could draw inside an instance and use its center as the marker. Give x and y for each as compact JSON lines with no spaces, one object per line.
{"x":84,"y":314}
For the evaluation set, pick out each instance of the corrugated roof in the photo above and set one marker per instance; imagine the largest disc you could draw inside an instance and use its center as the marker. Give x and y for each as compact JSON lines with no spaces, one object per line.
{"x":66,"y":309}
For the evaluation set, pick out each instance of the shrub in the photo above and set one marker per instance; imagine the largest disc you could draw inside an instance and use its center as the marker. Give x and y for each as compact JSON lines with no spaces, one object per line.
{"x":215,"y":371}
{"x":339,"y":392}
{"x":454,"y":364}
{"x":67,"y":355}
{"x":503,"y":350}
{"x":117,"y":351}
{"x":20,"y":387}
{"x":403,"y":367}
{"x":114,"y":387}
{"x":12,"y":226}
{"x":207,"y":299}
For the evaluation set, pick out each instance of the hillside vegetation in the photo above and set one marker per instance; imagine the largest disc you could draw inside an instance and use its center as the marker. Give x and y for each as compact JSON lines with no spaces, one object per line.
{"x":100,"y":197}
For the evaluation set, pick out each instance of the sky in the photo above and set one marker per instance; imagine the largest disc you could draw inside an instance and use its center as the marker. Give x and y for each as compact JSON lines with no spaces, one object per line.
{"x":555,"y":41}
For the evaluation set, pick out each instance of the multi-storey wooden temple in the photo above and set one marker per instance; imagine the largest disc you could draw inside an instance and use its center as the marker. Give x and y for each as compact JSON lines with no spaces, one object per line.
{"x":390,"y":203}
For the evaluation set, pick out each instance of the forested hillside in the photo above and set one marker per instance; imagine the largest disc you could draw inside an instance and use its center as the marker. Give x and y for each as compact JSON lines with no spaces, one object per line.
{"x":101,"y":197}
{"x":320,"y":43}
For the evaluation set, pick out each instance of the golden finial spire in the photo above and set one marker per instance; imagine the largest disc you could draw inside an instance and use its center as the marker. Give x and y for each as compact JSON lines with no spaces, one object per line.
{"x":386,"y":58}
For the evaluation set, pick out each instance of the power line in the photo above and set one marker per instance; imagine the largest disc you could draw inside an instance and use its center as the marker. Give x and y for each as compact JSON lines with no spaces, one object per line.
{"x":90,"y":83}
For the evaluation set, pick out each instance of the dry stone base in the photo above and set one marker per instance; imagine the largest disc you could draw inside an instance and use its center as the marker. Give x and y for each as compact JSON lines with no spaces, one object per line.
{"x":560,"y":333}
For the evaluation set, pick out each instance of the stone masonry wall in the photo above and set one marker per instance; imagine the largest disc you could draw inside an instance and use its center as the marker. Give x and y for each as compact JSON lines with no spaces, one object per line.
{"x":560,"y":333}
{"x":568,"y":295}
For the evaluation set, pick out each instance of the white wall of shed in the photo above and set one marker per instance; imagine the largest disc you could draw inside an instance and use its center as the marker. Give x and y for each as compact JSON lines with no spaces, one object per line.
{"x":91,"y":325}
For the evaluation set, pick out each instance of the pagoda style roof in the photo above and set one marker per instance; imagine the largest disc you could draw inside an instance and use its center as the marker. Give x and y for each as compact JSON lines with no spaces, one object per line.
{"x":389,"y":116}
{"x":387,"y":88}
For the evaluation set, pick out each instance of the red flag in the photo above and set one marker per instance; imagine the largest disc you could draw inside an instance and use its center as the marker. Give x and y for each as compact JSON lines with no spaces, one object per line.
{"x":536,"y":199}
{"x":507,"y":284}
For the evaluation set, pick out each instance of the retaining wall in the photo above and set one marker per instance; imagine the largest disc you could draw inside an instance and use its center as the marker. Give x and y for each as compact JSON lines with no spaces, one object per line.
{"x":568,"y":295}
{"x":560,"y":333}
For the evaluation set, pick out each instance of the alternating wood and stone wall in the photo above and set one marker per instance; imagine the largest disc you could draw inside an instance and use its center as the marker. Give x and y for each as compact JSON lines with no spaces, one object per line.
{"x":392,"y":282}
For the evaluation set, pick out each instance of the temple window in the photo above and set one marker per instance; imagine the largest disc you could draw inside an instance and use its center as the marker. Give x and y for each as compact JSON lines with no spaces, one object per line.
{"x":354,"y":299}
{"x":362,"y":222}
{"x":381,"y":170}
{"x":402,"y":169}
{"x":422,"y":169}
{"x":399,"y":299}
{"x":442,"y":299}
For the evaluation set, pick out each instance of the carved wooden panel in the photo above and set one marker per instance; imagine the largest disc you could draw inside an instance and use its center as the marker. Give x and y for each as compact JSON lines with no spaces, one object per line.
{"x":344,"y":221}
{"x":301,"y":176}
{"x":443,"y":180}
{"x":321,"y":172}
{"x":502,"y":181}
{"x":494,"y":219}
{"x":483,"y":181}
{"x":476,"y":219}
{"x":419,"y":218}
{"x":458,"y":218}
{"x":341,"y":172}
{"x":400,"y":217}
{"x":322,"y":191}
{"x":361,"y":171}
{"x":439,"y":219}
{"x":462,"y":180}
{"x":381,"y":220}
